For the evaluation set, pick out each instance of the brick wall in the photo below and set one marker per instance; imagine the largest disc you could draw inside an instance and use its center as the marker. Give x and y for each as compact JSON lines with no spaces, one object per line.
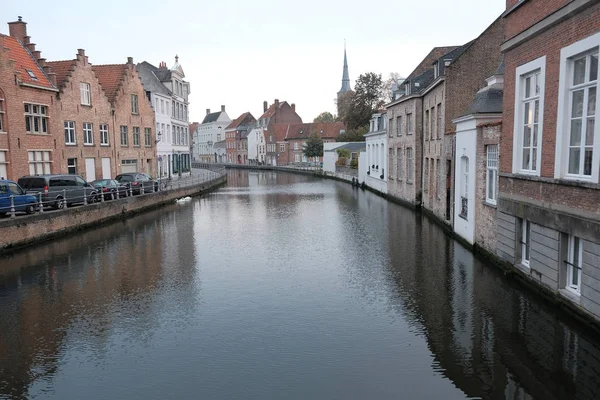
{"x":14,"y":140}
{"x":531,"y":12}
{"x":145,"y":155}
{"x":486,"y":215}
{"x":409,"y":192}
{"x":71,"y":109}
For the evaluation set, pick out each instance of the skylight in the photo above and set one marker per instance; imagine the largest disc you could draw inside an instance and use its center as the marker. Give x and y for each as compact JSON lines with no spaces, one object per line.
{"x":31,"y":74}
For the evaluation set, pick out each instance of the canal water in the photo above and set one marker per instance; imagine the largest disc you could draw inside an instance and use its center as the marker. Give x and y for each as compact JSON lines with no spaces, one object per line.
{"x":279,"y":286}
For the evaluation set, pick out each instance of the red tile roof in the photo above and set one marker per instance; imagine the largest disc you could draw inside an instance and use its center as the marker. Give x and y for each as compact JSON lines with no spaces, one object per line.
{"x":428,"y":61}
{"x":272,"y":110}
{"x":193,"y":127}
{"x":110,"y":77}
{"x":24,"y":62}
{"x":329,"y":130}
{"x":243,"y":119}
{"x":61,"y":69}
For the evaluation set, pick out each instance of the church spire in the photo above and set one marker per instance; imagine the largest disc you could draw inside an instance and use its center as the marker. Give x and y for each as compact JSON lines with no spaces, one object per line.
{"x":345,"y":76}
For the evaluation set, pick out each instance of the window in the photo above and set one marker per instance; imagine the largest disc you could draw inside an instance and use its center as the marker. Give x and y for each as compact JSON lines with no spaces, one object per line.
{"x":407,"y":89}
{"x":136,"y":135}
{"x":185,"y":118}
{"x":88,"y":134}
{"x":147,"y":137}
{"x":431,"y":123}
{"x":70,"y":137}
{"x":399,"y":126}
{"x":426,"y":125}
{"x":162,"y":106}
{"x":173,"y":110}
{"x":1,"y":115}
{"x":31,"y":74}
{"x":390,"y":124}
{"x":391,"y":163}
{"x":124,"y":136}
{"x":295,"y":145}
{"x":574,"y":265}
{"x":168,"y":133}
{"x":426,"y":175}
{"x":104,"y":135}
{"x":39,"y":162}
{"x":409,"y":124}
{"x":525,"y":242}
{"x":438,"y":126}
{"x":86,"y":94}
{"x":464,"y":187}
{"x":72,"y":166}
{"x":36,"y":118}
{"x":281,"y":147}
{"x":3,"y":164}
{"x":439,"y":179}
{"x":409,"y":165}
{"x":491,"y":187}
{"x":529,"y":110}
{"x":134,"y":104}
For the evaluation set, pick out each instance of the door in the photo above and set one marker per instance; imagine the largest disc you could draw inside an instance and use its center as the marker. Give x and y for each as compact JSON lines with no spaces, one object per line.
{"x":90,"y":169}
{"x":105,"y":168}
{"x":128,"y":166}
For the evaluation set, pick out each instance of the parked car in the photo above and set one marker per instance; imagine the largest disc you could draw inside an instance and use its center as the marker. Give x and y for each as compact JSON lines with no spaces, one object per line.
{"x":22,"y":201}
{"x":58,"y":189}
{"x":136,"y":180}
{"x":108,"y":188}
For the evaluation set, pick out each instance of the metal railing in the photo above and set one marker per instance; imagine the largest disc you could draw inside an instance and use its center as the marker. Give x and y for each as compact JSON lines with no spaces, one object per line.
{"x":66,"y":198}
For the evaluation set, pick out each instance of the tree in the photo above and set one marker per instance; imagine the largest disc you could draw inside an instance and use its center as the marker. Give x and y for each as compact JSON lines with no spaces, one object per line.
{"x":324,"y":117}
{"x":360,"y":105}
{"x":387,"y":86}
{"x":353,"y":135}
{"x":313,"y":146}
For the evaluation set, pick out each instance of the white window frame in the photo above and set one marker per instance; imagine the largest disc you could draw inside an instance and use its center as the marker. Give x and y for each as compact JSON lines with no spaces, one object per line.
{"x":409,"y":124}
{"x":123,"y":129}
{"x":563,"y":113}
{"x":574,"y":264}
{"x":491,"y":175}
{"x":40,"y":117}
{"x":147,"y":137}
{"x":538,"y":64}
{"x":525,"y":243}
{"x":39,"y":162}
{"x":104,"y":138}
{"x":410,"y":168}
{"x":3,"y":164}
{"x":136,"y":136}
{"x":86,"y":93}
{"x":72,"y":163}
{"x":88,"y":134}
{"x":135,"y":107}
{"x":70,"y":135}
{"x":464,"y":186}
{"x":2,"y":106}
{"x":281,"y":147}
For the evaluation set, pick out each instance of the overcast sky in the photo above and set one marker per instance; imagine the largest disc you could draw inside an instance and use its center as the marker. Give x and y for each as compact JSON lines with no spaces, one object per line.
{"x":242,"y":53}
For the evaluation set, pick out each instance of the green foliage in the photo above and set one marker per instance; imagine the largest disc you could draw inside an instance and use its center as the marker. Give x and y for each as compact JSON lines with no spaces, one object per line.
{"x":343,"y":153}
{"x":342,"y":161}
{"x":354,"y":163}
{"x":354,"y":135}
{"x":313,"y":146}
{"x":324,"y":117}
{"x":356,"y":108}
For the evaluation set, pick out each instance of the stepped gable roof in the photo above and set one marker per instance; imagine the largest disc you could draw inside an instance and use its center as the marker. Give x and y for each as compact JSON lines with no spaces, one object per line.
{"x":25,"y":62}
{"x":62,"y":69}
{"x":110,"y":77}
{"x":212,"y":117}
{"x":305,"y":130}
{"x":243,"y":119}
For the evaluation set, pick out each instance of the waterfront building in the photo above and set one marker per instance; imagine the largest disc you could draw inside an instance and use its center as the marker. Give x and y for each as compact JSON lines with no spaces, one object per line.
{"x":276,"y":114}
{"x":377,"y":153}
{"x":209,"y":132}
{"x":296,"y":135}
{"x":548,"y":200}
{"x":256,"y":146}
{"x":233,"y":136}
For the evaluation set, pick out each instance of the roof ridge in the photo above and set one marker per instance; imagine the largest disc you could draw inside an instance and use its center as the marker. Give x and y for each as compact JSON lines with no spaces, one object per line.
{"x":35,"y":62}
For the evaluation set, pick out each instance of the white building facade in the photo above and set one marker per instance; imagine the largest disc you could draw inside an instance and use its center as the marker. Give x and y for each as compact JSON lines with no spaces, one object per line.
{"x":376,"y":140}
{"x":257,"y":153}
{"x":209,"y":132}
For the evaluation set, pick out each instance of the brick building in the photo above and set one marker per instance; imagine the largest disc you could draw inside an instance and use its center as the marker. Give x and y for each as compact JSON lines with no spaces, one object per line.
{"x":296,"y":135}
{"x":458,"y":76}
{"x":84,"y":113}
{"x":30,"y":138}
{"x":233,"y":136}
{"x":133,"y":118}
{"x":277,"y":113}
{"x":405,"y":125}
{"x":548,"y":201}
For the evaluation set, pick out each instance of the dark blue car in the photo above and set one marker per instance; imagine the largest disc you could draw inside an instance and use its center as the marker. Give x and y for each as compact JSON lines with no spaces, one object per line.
{"x":22,"y":202}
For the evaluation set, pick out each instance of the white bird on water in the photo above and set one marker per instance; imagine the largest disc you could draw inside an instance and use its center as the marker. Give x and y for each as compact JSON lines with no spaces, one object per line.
{"x":183,"y":199}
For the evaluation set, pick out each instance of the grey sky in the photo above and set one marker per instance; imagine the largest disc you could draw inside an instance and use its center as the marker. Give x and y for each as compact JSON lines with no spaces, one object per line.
{"x":240,"y":54}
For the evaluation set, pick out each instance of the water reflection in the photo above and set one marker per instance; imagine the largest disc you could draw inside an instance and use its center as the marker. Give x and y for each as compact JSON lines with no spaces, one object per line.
{"x":279,"y":286}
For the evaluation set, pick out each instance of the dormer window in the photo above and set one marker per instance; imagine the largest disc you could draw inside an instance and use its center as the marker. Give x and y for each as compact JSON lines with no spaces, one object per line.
{"x":407,"y":89}
{"x":436,"y":70}
{"x":31,"y":74}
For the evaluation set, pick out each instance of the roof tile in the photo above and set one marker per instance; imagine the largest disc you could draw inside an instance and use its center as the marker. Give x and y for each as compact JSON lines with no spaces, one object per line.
{"x":61,"y":69}
{"x":24,"y":62}
{"x":110,"y":77}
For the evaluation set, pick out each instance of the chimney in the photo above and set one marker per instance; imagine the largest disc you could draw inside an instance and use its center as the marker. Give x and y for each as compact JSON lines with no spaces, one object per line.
{"x":81,"y":52}
{"x":18,"y":29}
{"x":130,"y":60}
{"x":276,"y":103}
{"x":41,"y":62}
{"x":26,"y":40}
{"x":222,"y":108}
{"x":294,"y":107}
{"x":265,"y":106}
{"x":36,"y":54}
{"x":207,"y":111}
